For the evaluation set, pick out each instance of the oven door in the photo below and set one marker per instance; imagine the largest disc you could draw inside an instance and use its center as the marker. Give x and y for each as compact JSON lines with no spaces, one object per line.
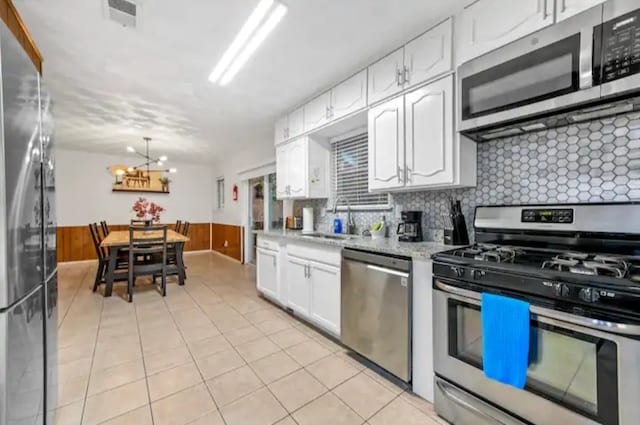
{"x":548,"y":70}
{"x":573,"y":374}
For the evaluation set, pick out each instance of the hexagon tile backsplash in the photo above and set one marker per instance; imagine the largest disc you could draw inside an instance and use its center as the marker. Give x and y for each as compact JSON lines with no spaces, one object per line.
{"x":597,"y":161}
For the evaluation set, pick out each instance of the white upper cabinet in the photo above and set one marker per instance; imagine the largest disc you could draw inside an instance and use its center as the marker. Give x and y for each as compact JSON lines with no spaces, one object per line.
{"x":298,"y":168}
{"x":429,"y":134}
{"x":295,"y":123}
{"x":302,"y":169}
{"x":317,"y":112}
{"x":386,"y":76}
{"x":349,"y":96}
{"x":280,"y":130}
{"x":386,"y":145}
{"x":488,"y":24}
{"x":282,"y":165}
{"x":429,"y":55}
{"x":567,"y":8}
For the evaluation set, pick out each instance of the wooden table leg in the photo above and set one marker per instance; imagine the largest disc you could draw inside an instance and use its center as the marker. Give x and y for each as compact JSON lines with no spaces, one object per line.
{"x":180,"y":263}
{"x":111,"y":269}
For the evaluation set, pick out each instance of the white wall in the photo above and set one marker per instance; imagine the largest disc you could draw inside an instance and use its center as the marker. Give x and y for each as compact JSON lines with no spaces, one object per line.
{"x":236,"y":212}
{"x":83,"y":191}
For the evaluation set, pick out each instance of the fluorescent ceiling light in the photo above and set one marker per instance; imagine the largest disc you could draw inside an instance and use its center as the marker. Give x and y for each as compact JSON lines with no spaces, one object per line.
{"x":247,"y":29}
{"x":130,"y":149}
{"x":163,"y":158}
{"x":255,"y":42}
{"x":159,"y":163}
{"x":173,"y":170}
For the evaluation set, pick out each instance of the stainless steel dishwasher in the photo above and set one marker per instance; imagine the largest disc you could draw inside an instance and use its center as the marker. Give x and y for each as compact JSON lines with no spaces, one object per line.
{"x":376,"y":309}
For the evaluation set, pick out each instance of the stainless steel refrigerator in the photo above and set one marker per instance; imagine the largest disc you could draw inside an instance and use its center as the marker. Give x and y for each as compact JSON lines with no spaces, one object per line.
{"x":28,"y":278}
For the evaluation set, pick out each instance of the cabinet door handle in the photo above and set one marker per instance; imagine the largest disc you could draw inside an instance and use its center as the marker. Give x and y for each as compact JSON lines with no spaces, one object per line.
{"x":308,"y":270}
{"x":408,"y":174}
{"x":399,"y":77}
{"x":407,"y":75}
{"x":400,"y":179}
{"x":327,"y":112}
{"x":274,"y":260}
{"x":564,"y":6}
{"x":545,"y":13}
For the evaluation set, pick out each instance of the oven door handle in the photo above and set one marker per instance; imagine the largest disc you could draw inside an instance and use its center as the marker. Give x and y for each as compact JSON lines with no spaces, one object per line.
{"x":601,"y":325}
{"x":449,"y":391}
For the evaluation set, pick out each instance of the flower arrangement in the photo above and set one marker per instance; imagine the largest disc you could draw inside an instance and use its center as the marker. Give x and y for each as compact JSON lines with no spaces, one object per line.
{"x":146,"y":210}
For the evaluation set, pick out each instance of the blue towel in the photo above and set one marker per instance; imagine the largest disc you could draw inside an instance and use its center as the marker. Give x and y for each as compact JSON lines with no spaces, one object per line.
{"x":505,"y":339}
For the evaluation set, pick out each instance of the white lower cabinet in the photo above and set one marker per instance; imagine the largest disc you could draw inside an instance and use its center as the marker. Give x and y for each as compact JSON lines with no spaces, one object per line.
{"x":325,"y":296}
{"x":304,"y":277}
{"x":267,"y":273}
{"x":298,"y":285}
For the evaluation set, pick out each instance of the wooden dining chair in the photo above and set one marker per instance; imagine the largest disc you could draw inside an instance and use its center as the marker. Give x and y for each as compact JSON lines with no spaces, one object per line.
{"x":103,"y":257}
{"x":147,"y":256}
{"x":105,"y":228}
{"x":178,"y":227}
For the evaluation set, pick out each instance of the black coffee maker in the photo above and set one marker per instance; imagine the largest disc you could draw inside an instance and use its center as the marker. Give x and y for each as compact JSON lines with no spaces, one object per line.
{"x":410,"y":228}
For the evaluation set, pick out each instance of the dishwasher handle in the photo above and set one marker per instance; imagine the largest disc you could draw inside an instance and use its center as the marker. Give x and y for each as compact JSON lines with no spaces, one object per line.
{"x":387,"y":271}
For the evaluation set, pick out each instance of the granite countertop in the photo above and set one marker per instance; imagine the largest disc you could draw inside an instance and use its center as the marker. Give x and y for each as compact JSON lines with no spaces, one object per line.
{"x":417,"y":250}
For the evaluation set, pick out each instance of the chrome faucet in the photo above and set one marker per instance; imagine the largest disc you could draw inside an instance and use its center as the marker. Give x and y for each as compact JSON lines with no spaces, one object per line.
{"x":351,"y":226}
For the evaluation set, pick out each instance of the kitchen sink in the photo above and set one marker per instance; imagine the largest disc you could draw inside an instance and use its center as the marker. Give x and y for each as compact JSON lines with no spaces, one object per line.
{"x":332,"y":236}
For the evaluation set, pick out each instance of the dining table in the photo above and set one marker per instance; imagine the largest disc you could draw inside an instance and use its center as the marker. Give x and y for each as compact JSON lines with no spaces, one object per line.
{"x":116,"y":240}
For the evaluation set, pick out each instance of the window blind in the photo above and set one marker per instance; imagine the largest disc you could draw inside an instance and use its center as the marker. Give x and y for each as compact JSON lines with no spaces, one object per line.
{"x":350,"y":162}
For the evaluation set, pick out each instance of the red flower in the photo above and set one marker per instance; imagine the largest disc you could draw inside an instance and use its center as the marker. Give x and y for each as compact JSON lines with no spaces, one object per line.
{"x":144,"y":209}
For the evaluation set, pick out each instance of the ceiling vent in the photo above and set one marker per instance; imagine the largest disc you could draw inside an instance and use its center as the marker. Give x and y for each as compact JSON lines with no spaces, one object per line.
{"x":124,"y":12}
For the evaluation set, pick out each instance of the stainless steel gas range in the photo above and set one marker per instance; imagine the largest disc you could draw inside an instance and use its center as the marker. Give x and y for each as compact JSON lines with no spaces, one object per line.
{"x":579,"y":268}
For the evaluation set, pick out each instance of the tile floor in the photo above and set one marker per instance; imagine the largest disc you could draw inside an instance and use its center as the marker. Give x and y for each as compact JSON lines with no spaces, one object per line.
{"x":210,"y":353}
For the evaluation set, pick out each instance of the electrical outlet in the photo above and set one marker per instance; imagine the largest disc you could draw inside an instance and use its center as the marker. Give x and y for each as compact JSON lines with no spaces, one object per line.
{"x":226,"y":244}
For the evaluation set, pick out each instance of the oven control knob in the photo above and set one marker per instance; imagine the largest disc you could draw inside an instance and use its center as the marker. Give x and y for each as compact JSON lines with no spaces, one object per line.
{"x":589,"y":295}
{"x":560,"y":290}
{"x":477,"y":274}
{"x":459,"y":271}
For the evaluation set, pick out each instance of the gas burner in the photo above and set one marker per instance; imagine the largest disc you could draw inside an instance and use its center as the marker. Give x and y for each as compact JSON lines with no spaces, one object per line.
{"x":560,"y":264}
{"x":572,"y":256}
{"x":606,"y":269}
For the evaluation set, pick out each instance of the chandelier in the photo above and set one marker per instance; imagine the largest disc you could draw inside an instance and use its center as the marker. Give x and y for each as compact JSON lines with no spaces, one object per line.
{"x":149,"y":160}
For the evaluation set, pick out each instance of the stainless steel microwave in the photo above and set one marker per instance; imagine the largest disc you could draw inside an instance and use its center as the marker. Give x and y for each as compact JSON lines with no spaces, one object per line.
{"x":587,"y":60}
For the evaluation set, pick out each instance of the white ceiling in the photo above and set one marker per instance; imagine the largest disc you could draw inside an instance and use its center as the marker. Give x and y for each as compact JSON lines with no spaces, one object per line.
{"x":113,"y":85}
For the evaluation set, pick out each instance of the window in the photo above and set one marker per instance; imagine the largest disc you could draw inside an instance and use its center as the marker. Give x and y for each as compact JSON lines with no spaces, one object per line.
{"x":350,"y":162}
{"x":220,"y":186}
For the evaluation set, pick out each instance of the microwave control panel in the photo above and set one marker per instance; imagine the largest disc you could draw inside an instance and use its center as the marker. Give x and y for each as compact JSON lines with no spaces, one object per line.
{"x":621,"y":47}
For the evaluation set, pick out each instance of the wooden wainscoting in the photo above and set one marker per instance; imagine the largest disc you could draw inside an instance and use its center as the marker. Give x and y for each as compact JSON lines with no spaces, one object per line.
{"x":227,"y":239}
{"x":75,"y":244}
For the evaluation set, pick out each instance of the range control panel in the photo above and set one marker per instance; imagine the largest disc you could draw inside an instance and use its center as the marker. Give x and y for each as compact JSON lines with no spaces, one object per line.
{"x":621,"y":47}
{"x":548,"y":215}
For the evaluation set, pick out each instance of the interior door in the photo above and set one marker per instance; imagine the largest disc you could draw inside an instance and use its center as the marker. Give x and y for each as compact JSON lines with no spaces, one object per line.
{"x":297,"y":165}
{"x":298,"y":285}
{"x":429,"y":138}
{"x":488,"y":24}
{"x":385,"y":76}
{"x":325,"y":296}
{"x":20,"y":173}
{"x":316,"y":112}
{"x":349,"y":96}
{"x":429,"y":55}
{"x":386,"y":145}
{"x":267,"y":267}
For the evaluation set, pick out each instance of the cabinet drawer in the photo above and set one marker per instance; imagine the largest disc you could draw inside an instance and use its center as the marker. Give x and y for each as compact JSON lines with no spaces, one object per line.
{"x":268,"y":244}
{"x":321,"y":254}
